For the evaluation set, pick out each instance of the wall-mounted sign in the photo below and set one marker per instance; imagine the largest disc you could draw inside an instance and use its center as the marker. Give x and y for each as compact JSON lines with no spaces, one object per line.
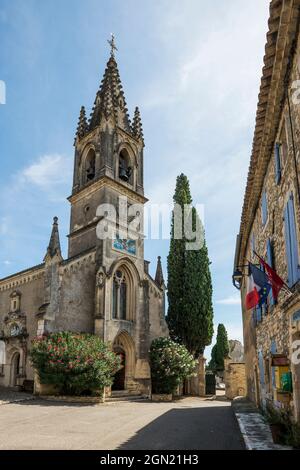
{"x":279,"y":360}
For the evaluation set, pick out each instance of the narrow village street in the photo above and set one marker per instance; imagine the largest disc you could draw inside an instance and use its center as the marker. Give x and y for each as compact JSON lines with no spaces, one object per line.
{"x":189,"y":423}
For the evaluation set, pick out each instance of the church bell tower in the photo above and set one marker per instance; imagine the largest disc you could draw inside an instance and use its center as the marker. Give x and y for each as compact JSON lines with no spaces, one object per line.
{"x":108,"y":162}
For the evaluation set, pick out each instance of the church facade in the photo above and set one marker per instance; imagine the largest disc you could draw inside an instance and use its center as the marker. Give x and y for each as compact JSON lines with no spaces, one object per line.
{"x":104,"y":286}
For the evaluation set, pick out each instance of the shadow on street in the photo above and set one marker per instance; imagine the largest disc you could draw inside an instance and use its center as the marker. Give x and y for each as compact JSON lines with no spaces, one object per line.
{"x":211,"y":428}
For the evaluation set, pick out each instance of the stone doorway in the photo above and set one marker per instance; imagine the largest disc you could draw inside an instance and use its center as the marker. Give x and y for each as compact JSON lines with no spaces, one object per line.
{"x":14,"y":369}
{"x":123,"y":345}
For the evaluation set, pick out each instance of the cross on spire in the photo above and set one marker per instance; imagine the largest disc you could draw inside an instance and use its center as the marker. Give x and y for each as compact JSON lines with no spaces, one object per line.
{"x":112,"y":44}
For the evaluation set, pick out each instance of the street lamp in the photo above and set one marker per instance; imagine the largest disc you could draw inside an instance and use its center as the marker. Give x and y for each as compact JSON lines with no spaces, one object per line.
{"x":238,"y":275}
{"x":237,"y":278}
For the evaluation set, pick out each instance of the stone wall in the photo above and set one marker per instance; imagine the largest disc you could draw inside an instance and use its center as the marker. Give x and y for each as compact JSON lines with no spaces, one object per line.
{"x":235,"y":379}
{"x":196,"y":385}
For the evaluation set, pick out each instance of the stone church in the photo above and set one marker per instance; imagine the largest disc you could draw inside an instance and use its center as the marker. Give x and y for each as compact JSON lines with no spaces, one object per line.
{"x":104,"y":286}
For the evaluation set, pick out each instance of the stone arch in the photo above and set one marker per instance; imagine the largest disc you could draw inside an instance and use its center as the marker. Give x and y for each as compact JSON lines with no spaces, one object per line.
{"x":88,"y":164}
{"x":126,"y":153}
{"x":130,"y":265}
{"x":15,"y":367}
{"x":124,"y":342}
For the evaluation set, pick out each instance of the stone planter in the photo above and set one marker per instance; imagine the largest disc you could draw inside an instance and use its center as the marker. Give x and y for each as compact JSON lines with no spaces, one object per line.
{"x":45,"y":389}
{"x":161,"y":397}
{"x":70,"y":399}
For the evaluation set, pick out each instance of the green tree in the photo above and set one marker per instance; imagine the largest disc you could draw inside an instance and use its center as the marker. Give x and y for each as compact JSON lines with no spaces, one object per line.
{"x":171,"y":364}
{"x":190,"y":312}
{"x":220,"y":350}
{"x":75,"y":363}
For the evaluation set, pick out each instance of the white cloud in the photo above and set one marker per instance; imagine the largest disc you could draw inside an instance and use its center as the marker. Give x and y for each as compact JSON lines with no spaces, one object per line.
{"x":231,"y":300}
{"x":33,"y":196}
{"x":48,"y":171}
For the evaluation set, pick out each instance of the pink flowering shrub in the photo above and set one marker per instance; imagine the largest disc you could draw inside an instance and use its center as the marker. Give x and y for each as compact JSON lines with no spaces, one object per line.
{"x":78,"y":364}
{"x":171,"y":364}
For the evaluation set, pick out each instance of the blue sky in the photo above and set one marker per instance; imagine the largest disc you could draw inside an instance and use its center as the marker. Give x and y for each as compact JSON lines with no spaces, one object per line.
{"x":194,"y":70}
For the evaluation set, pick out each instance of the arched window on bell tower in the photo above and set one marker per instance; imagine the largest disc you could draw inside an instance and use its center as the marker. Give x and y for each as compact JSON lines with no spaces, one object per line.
{"x":125,"y":167}
{"x":119,"y":296}
{"x":90,"y":166}
{"x":123,"y":300}
{"x":115,"y":299}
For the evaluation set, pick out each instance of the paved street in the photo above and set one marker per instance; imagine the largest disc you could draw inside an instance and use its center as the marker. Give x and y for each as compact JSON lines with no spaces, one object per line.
{"x":191,"y":423}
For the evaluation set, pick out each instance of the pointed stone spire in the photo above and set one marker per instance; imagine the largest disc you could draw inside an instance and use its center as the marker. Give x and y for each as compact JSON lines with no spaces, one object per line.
{"x":110,"y":99}
{"x":159,"y":277}
{"x":54,"y":244}
{"x":137,"y":128}
{"x":82,"y":127}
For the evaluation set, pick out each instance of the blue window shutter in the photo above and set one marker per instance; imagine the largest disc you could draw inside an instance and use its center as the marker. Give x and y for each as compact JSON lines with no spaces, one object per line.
{"x":258,"y":314}
{"x":264,"y":208}
{"x":277,"y":163}
{"x":293,"y":240}
{"x":273,"y":347}
{"x":261,"y":368}
{"x":270,"y":261}
{"x":288,"y":252}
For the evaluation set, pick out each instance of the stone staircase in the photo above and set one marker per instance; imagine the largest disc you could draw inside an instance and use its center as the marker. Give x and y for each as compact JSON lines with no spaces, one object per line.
{"x":125,"y":395}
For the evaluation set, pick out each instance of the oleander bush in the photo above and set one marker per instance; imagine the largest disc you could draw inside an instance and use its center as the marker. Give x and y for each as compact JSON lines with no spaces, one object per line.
{"x":77,"y":364}
{"x":171,"y":364}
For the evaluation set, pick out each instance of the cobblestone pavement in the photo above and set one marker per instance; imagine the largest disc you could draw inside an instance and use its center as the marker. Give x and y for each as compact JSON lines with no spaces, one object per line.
{"x":186,"y":424}
{"x":10,"y":396}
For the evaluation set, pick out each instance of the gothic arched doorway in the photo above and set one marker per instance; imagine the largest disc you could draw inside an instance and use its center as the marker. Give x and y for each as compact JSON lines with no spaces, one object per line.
{"x":14,"y":369}
{"x":123,"y":345}
{"x":119,"y":378}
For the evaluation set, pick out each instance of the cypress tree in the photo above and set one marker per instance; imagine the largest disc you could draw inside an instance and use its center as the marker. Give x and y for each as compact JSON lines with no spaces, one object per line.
{"x":220,"y":350}
{"x":190,"y":313}
{"x":176,"y":265}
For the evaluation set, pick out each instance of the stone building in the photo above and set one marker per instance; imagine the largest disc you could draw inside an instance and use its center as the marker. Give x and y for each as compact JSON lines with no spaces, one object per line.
{"x":104,"y":286}
{"x":271,"y":215}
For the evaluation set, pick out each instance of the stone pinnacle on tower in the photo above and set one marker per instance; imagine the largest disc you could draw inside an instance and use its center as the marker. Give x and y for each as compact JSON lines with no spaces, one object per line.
{"x":159,"y":277}
{"x":82,"y":127}
{"x":54,"y":243}
{"x":137,"y":128}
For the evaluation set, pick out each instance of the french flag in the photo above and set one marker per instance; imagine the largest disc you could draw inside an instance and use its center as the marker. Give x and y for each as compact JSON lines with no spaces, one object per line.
{"x":258,"y":287}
